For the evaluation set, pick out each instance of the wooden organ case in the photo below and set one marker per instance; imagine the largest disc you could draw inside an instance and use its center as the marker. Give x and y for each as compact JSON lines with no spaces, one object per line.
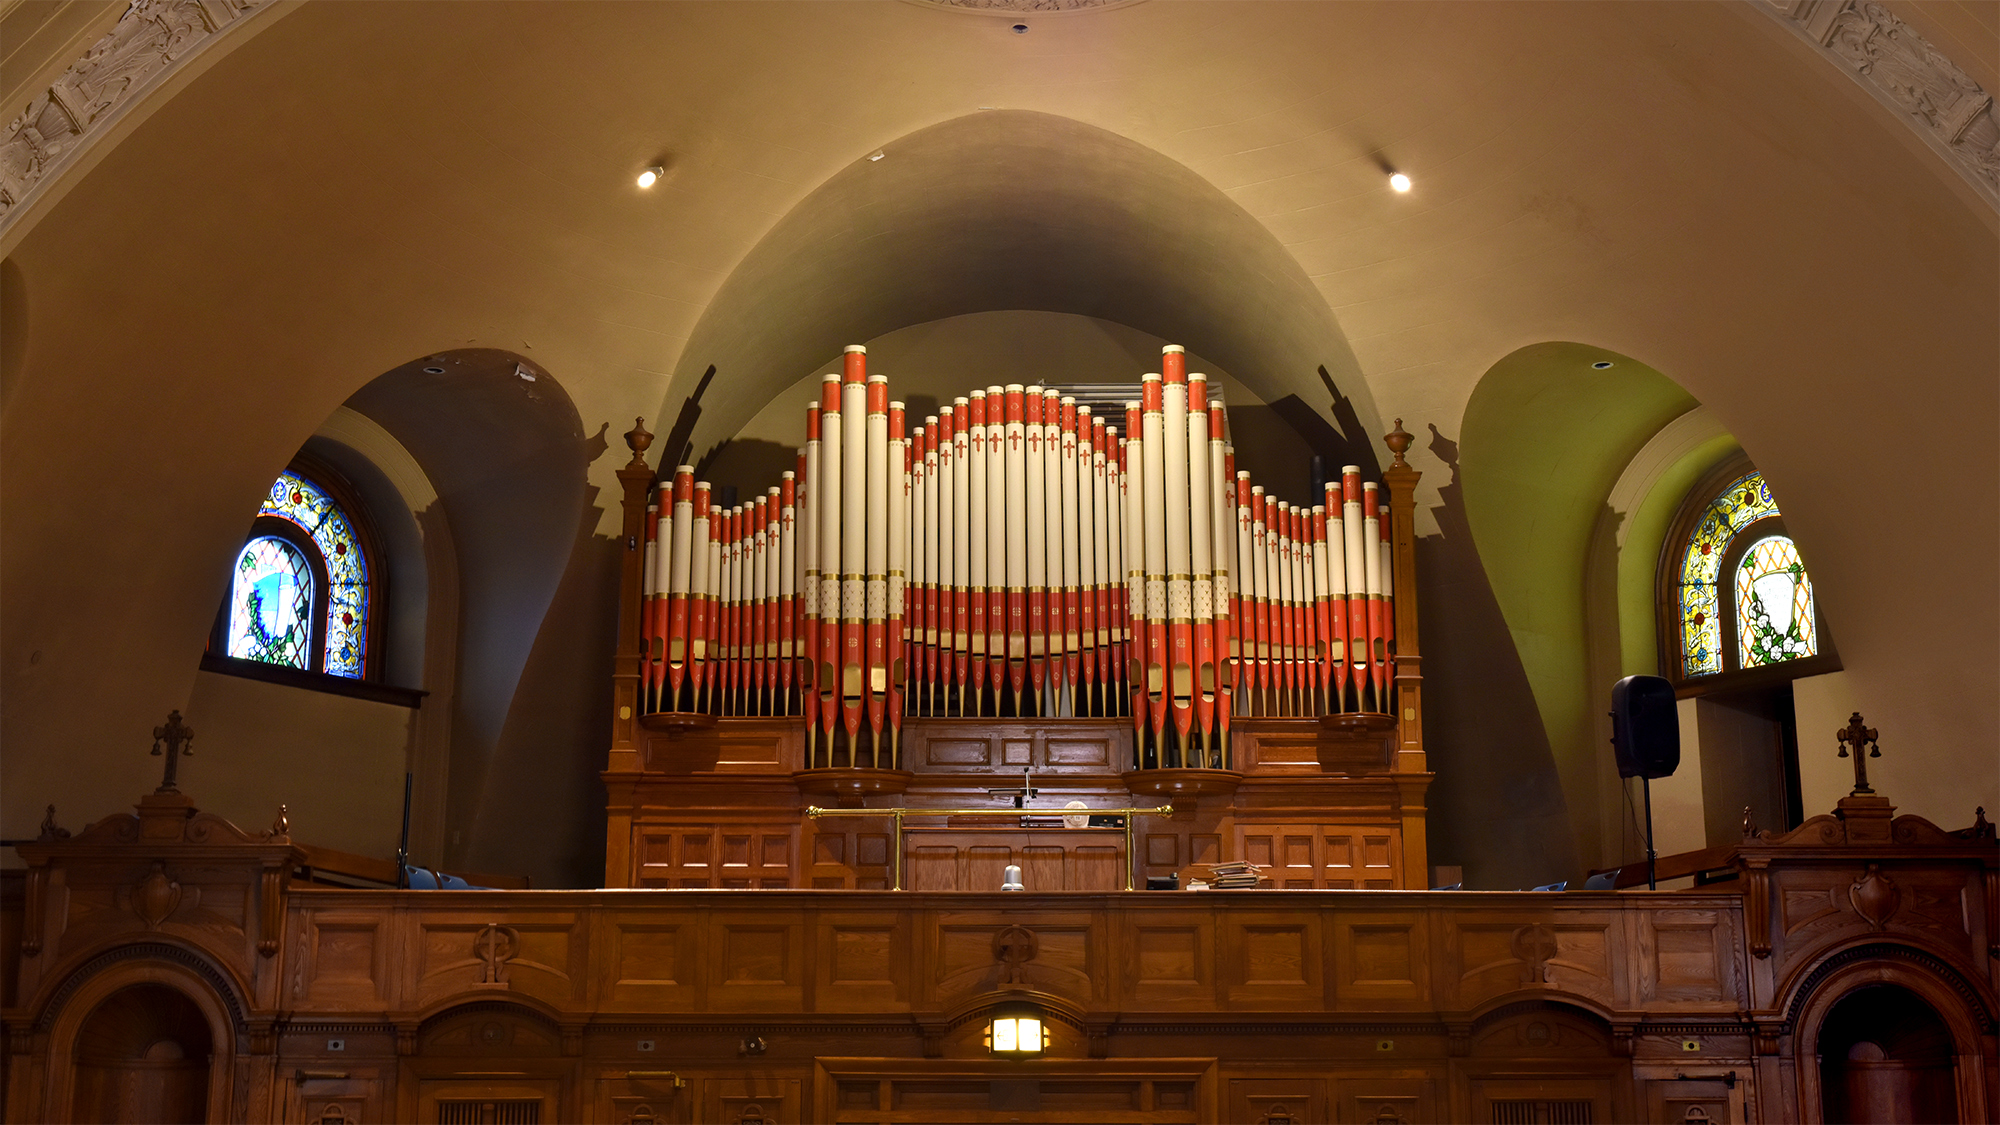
{"x":729,"y":793}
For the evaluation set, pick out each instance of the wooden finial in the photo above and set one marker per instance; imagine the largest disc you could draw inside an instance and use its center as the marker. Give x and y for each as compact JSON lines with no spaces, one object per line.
{"x":1397,"y":441}
{"x":283,"y":825}
{"x":174,"y":735}
{"x":1749,"y":823}
{"x":639,"y":438}
{"x":50,"y":829}
{"x":1857,"y":735}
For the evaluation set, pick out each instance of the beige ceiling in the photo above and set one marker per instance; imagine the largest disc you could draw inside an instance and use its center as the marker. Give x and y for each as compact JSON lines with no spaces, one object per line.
{"x":356,"y":185}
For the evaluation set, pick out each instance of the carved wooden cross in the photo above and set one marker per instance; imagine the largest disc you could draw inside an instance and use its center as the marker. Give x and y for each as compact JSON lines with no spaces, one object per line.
{"x":174,"y":736}
{"x":1857,"y":736}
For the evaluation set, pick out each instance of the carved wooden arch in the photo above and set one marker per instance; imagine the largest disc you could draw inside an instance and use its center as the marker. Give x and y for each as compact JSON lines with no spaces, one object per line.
{"x":984,"y":1004}
{"x":1505,"y":1009}
{"x":226,"y":987}
{"x":102,"y":977}
{"x":1959,"y":1006}
{"x":568,"y":1036}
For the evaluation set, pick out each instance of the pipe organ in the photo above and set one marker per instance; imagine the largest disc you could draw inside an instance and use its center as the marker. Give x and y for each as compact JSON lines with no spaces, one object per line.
{"x":1016,"y":556}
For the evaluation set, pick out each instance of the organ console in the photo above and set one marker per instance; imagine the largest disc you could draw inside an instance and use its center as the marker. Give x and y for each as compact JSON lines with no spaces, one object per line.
{"x":1016,"y":562}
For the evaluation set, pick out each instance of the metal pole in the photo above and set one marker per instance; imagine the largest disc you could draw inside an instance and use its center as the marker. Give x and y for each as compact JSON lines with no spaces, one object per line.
{"x":1651,"y":855}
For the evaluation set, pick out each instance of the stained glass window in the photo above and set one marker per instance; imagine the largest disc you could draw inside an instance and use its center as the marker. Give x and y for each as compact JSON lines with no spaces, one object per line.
{"x":1745,"y":501}
{"x":1774,"y":604}
{"x":271,"y":604}
{"x":345,"y":632}
{"x":1768,"y":595}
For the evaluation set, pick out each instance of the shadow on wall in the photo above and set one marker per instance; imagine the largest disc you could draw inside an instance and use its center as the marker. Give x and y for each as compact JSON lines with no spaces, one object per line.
{"x":1497,"y":806}
{"x":502,"y":442}
{"x":542,"y":811}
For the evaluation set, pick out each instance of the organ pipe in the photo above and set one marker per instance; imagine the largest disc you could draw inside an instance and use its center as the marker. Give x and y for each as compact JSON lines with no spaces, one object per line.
{"x":1015,"y":556}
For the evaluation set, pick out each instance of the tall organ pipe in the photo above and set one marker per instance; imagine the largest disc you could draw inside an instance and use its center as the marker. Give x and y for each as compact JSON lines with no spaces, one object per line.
{"x":1035,"y":483}
{"x":831,"y":462}
{"x":1014,"y":484}
{"x":809,"y":588}
{"x":899,"y":561}
{"x":875,"y":562}
{"x":1201,"y":550}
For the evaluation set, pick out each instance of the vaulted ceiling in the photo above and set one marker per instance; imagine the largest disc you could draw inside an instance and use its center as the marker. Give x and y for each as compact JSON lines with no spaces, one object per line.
{"x":349,"y":187}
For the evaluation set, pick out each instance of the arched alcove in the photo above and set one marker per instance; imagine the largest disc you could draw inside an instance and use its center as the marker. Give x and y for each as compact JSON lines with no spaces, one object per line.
{"x":1886,"y":1056}
{"x":142,"y":1055}
{"x":1010,"y":209}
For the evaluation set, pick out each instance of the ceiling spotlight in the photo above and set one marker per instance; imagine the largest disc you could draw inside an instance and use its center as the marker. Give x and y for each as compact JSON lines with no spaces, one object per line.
{"x":878,"y":155}
{"x":1020,"y":29}
{"x":1399,"y":182}
{"x":651,"y":176}
{"x":1601,"y":364}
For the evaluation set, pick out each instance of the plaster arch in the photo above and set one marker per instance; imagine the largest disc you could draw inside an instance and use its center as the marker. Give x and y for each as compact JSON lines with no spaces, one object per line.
{"x":1013,"y":209}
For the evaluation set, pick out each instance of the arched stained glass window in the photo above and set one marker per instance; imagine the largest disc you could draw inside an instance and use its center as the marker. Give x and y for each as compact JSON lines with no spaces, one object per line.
{"x":300,"y":595}
{"x":1741,"y":597}
{"x":1774,"y":604}
{"x":271,"y":604}
{"x":1746,"y":500}
{"x":306,"y":504}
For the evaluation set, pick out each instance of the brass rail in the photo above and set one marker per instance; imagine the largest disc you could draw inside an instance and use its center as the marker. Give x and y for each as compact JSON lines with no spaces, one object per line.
{"x":897,"y":815}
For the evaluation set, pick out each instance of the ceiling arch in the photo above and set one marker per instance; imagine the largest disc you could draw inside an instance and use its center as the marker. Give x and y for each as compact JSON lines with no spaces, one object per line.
{"x":1012,"y":209}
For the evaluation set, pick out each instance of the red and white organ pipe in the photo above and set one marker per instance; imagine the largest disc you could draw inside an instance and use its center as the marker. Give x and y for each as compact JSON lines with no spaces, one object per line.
{"x":1014,"y":555}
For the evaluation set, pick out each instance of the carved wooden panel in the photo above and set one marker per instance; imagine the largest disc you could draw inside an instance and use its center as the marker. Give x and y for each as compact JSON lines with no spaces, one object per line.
{"x":748,"y":1100}
{"x":345,"y":960}
{"x":975,"y":859}
{"x":1575,"y":954}
{"x":723,"y":857}
{"x":732,"y":746}
{"x":1384,"y":961}
{"x":1169,"y":959}
{"x":1395,"y":1097}
{"x":652,"y":964}
{"x":985,"y":951}
{"x":756,"y":961}
{"x":1273,"y":959}
{"x":1686,"y":955}
{"x":1165,"y":1091}
{"x":862,"y":962}
{"x":529,"y":955}
{"x":1309,"y":856}
{"x":1277,"y":1101}
{"x":990,"y":746}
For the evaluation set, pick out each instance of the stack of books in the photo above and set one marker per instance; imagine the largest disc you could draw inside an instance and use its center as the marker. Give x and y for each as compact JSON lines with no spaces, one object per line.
{"x":1234,"y":875}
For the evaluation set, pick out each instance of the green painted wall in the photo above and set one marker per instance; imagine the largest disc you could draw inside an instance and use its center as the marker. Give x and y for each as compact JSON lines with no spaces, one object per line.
{"x":1545,"y":438}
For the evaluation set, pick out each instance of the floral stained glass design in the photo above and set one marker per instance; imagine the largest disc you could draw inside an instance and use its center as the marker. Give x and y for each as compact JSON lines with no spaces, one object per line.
{"x":304,"y":503}
{"x":1774,"y":605}
{"x":270,"y":604}
{"x":1744,"y":502}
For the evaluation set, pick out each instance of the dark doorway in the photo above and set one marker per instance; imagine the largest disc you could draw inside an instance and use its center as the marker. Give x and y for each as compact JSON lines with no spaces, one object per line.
{"x":1886,"y":1056}
{"x":143,"y":1056}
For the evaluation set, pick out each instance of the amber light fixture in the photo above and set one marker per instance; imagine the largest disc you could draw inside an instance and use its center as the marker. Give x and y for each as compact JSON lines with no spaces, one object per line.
{"x":651,"y":176}
{"x":1017,"y":1031}
{"x":1399,"y":183}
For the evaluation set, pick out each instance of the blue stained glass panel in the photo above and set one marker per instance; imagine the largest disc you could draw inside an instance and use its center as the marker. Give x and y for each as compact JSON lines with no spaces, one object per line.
{"x":304,"y":503}
{"x":270,"y":604}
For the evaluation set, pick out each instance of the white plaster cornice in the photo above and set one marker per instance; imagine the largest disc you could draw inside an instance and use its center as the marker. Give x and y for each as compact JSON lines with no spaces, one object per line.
{"x":1904,"y":72}
{"x":151,"y":42}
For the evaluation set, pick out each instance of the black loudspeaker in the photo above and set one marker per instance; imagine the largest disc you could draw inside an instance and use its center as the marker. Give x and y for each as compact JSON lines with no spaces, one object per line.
{"x":1645,"y":727}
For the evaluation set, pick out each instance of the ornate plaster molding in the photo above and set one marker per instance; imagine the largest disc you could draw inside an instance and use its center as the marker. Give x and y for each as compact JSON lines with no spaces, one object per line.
{"x":152,"y":40}
{"x":1027,"y":7}
{"x":1907,"y":74}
